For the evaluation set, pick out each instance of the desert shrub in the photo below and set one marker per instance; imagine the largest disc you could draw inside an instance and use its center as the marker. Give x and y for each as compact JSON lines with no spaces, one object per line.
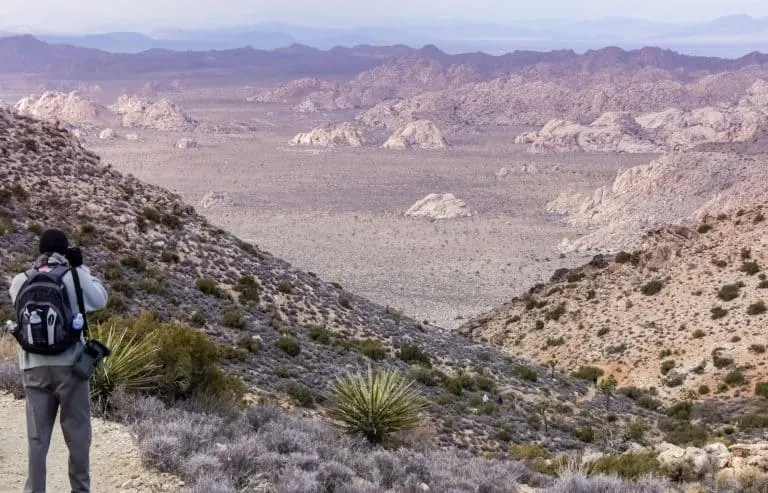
{"x":698,"y":334}
{"x":413,"y":354}
{"x":300,"y":395}
{"x":760,"y":217}
{"x":250,"y":344}
{"x":122,"y":286}
{"x":652,"y":287}
{"x":319,"y":334}
{"x":373,"y":349}
{"x":285,"y":287}
{"x":680,"y":410}
{"x":680,"y":432}
{"x":750,"y":268}
{"x":729,"y":292}
{"x":169,"y":257}
{"x":589,"y":373}
{"x":376,"y":404}
{"x":622,"y":257}
{"x":628,"y":466}
{"x":151,"y":214}
{"x":756,"y":308}
{"x":424,"y":376}
{"x":132,"y":366}
{"x":209,"y":286}
{"x":288,"y":345}
{"x":248,"y":289}
{"x":704,"y":389}
{"x":6,"y":225}
{"x":757,"y":348}
{"x":666,"y":366}
{"x":603,"y":331}
{"x":704,"y":228}
{"x":636,"y":430}
{"x":586,"y":435}
{"x":763,"y":284}
{"x":539,"y":325}
{"x":718,"y":312}
{"x":171,"y":221}
{"x":485,"y":383}
{"x":735,"y":378}
{"x":751,"y":421}
{"x":556,"y":312}
{"x":197,"y":319}
{"x":554,"y":342}
{"x":528,"y":451}
{"x":344,"y":302}
{"x":525,"y":373}
{"x":233,"y":317}
{"x":719,"y":263}
{"x":11,"y":379}
{"x":719,"y":360}
{"x":134,"y":263}
{"x":761,"y":389}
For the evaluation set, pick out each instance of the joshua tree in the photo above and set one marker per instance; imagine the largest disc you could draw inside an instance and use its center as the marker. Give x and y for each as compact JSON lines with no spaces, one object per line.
{"x":542,"y":409}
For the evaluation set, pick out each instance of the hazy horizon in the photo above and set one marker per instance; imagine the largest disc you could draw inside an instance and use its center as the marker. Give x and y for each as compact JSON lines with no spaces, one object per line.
{"x":48,"y":16}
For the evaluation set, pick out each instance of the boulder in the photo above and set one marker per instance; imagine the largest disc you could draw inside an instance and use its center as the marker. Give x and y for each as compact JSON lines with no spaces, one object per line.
{"x":440,"y":206}
{"x":419,"y":134}
{"x":186,"y":143}
{"x":107,"y":134}
{"x":342,"y":134}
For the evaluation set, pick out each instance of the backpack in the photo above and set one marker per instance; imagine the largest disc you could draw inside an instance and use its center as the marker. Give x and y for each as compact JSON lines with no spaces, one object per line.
{"x":44,"y":313}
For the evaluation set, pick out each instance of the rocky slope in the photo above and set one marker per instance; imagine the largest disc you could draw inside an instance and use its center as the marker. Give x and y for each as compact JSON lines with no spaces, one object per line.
{"x":419,"y":134}
{"x":670,"y":129}
{"x":163,"y":115}
{"x":682,"y":313}
{"x":157,"y":253}
{"x":677,"y":188}
{"x":342,"y":134}
{"x":72,"y":108}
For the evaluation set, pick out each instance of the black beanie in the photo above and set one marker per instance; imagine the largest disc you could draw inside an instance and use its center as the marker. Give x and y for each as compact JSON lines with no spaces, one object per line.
{"x":54,"y":241}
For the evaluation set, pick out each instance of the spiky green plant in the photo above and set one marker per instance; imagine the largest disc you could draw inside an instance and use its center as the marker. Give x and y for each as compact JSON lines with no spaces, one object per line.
{"x":375,"y":404}
{"x":131,"y":366}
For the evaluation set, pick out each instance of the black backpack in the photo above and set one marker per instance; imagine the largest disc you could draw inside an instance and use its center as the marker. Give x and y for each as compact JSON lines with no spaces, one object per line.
{"x":43,"y":312}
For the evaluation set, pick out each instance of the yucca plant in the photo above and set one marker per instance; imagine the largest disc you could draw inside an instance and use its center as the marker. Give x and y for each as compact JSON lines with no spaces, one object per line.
{"x":131,"y":366}
{"x":375,"y":404}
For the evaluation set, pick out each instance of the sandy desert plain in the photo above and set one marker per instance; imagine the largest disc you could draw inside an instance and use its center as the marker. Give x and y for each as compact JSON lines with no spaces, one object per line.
{"x":339,"y":212}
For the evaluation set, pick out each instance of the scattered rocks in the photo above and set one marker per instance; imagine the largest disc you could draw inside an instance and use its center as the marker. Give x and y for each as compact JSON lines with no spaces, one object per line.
{"x":186,"y":143}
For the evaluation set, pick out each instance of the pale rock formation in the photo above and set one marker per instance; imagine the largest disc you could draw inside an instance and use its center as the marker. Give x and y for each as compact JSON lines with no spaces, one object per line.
{"x":132,"y":137}
{"x":213,"y":199}
{"x":70,"y":107}
{"x":163,"y":115}
{"x":108,"y":134}
{"x":342,"y":134}
{"x":440,"y":206}
{"x":186,"y":143}
{"x":419,"y":134}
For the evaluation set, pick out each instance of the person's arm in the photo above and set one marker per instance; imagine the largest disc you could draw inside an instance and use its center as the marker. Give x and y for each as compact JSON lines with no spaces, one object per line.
{"x":94,"y":293}
{"x":16,"y":285}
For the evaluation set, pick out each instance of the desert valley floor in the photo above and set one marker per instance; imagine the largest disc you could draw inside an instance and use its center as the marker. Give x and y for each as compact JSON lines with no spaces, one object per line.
{"x":338,"y":212}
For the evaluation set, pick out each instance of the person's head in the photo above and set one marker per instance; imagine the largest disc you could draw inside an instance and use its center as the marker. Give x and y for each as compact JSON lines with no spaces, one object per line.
{"x":54,"y":241}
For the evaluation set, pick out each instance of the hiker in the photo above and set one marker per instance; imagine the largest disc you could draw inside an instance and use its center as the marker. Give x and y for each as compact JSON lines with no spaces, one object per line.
{"x":49,"y":362}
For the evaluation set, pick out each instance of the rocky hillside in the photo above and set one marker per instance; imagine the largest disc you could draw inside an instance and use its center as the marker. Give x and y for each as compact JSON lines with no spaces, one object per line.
{"x":677,"y":188}
{"x":684,"y":312}
{"x":282,"y":329}
{"x":670,"y":129}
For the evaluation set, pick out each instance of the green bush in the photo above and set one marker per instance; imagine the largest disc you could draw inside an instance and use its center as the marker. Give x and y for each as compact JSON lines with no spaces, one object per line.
{"x":729,"y":292}
{"x":528,"y":451}
{"x":288,"y":345}
{"x":169,"y":257}
{"x":424,"y":376}
{"x":628,"y":466}
{"x":134,"y":263}
{"x":719,"y":360}
{"x":704,"y":389}
{"x":752,"y":421}
{"x":233,"y":317}
{"x":586,"y":435}
{"x":413,"y":354}
{"x":757,"y":348}
{"x":636,"y":430}
{"x":681,"y":410}
{"x":300,"y":395}
{"x":698,"y":334}
{"x":525,"y":373}
{"x":250,"y":344}
{"x":735,"y":378}
{"x":248,"y":290}
{"x":684,"y":433}
{"x":603,"y":331}
{"x":652,"y":287}
{"x":750,"y":268}
{"x":667,"y":366}
{"x":622,"y":257}
{"x":285,"y":287}
{"x":756,"y":308}
{"x":319,"y":334}
{"x":373,"y":349}
{"x":761,"y":389}
{"x":197,"y":319}
{"x":375,"y":405}
{"x":151,"y":214}
{"x":718,"y":312}
{"x":344,"y":302}
{"x":704,"y":228}
{"x":556,"y":312}
{"x":209,"y":286}
{"x":171,"y":221}
{"x":589,"y":373}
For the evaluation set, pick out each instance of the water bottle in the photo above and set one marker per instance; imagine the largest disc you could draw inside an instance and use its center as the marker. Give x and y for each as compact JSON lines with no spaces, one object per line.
{"x":78,"y":322}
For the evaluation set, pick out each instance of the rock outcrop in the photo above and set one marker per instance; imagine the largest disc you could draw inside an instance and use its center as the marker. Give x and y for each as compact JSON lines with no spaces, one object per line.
{"x":72,"y":108}
{"x":440,"y":206}
{"x":163,"y":115}
{"x":108,"y":134}
{"x":342,"y":134}
{"x":186,"y":143}
{"x":420,"y":134}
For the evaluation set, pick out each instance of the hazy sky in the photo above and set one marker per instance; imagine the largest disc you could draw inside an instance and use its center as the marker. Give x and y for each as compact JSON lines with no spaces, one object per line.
{"x":143,"y":15}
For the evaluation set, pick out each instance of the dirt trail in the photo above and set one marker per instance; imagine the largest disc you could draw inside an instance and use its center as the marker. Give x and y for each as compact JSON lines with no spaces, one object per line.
{"x":115,"y":464}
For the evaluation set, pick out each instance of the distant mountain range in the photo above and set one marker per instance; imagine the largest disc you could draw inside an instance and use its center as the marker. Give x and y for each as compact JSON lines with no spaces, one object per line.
{"x":730,"y":36}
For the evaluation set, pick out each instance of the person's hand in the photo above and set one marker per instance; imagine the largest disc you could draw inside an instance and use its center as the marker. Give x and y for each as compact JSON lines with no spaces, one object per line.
{"x":74,"y":256}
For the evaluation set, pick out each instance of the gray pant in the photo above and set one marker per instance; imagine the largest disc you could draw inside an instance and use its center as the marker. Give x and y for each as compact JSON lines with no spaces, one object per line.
{"x":47,"y":389}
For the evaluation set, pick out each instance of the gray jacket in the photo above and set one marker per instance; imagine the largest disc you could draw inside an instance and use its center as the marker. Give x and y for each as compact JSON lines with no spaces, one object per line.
{"x":94,"y":297}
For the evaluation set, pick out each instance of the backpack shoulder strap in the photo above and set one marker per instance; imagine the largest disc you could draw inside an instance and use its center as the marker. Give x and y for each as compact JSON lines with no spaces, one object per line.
{"x":80,"y":300}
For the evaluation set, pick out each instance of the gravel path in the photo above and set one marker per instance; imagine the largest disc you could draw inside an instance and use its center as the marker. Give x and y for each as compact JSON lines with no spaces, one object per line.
{"x":115,"y":464}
